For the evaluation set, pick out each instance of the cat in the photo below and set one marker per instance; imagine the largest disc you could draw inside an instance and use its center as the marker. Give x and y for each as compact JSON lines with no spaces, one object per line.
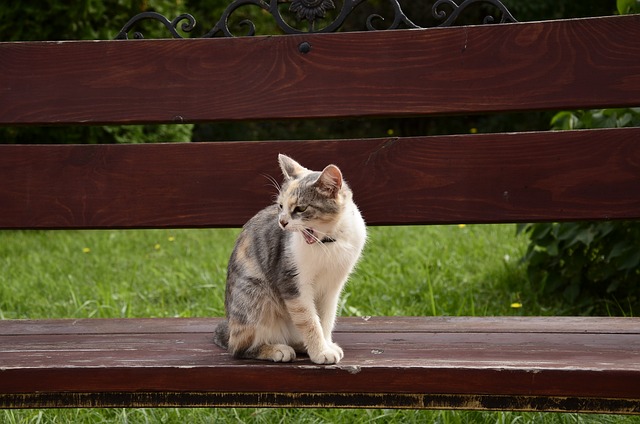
{"x":288,"y":268}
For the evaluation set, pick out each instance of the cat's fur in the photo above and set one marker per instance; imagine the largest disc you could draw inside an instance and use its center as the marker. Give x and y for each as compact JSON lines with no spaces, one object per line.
{"x":288,"y":268}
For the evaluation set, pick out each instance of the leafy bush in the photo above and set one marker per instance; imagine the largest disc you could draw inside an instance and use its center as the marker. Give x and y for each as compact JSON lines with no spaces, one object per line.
{"x":599,"y":118}
{"x":585,"y":261}
{"x":628,"y":6}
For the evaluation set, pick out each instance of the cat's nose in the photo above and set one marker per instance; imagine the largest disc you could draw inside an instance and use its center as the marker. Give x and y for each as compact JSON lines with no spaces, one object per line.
{"x":283,"y":222}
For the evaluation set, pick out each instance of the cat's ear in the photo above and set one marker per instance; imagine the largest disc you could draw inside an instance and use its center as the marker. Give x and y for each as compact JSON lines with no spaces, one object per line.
{"x":330,"y":181}
{"x":290,"y":168}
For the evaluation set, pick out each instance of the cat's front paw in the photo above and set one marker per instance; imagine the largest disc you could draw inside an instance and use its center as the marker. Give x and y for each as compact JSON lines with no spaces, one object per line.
{"x":337,"y":348}
{"x":330,"y":354}
{"x":281,"y":353}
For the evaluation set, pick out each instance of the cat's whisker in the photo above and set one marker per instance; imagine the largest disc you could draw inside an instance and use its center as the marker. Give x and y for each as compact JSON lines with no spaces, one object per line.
{"x":318,"y":240}
{"x":274,"y":183}
{"x":311,"y":234}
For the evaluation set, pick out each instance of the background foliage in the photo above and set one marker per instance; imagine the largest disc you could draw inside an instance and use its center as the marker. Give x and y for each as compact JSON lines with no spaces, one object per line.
{"x":594,"y":266}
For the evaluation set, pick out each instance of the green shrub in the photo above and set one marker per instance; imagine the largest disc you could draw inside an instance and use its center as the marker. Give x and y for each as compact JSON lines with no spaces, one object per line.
{"x":585,"y":261}
{"x":628,"y":6}
{"x":599,"y":118}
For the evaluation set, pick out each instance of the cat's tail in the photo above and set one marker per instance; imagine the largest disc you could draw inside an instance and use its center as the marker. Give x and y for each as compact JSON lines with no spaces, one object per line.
{"x":221,"y":335}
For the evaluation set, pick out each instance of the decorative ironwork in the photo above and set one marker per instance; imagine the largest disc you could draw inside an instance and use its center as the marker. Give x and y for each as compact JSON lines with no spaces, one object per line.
{"x":457,"y":10}
{"x":313,"y":11}
{"x":170,"y":25}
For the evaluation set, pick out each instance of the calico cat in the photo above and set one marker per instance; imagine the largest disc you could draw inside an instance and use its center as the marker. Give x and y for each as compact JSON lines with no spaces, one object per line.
{"x":288,"y":268}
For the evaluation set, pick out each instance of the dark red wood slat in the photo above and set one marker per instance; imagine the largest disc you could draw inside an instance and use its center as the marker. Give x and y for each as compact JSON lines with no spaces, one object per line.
{"x":378,"y":325}
{"x":495,"y":325}
{"x":541,"y":65}
{"x":601,"y":352}
{"x":523,"y":177}
{"x":278,"y":378}
{"x":107,"y":326}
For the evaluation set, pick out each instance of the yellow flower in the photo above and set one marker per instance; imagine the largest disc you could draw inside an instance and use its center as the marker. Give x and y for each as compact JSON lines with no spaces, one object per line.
{"x":516,"y":305}
{"x":171,"y":238}
{"x":86,"y":250}
{"x":157,"y":246}
{"x":462,"y":225}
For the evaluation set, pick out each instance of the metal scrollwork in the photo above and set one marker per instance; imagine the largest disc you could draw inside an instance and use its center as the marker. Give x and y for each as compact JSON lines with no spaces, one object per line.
{"x":313,"y":11}
{"x":458,"y":9}
{"x":170,"y":25}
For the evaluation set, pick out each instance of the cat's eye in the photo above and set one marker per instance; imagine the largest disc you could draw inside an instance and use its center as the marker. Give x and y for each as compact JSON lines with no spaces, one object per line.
{"x":299,"y":209}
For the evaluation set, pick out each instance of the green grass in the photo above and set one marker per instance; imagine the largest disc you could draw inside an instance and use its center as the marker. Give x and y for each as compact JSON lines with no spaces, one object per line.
{"x":451,"y":270}
{"x":295,"y":416}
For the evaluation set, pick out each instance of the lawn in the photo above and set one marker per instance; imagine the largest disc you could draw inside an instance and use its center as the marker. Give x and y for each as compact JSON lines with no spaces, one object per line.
{"x":438,"y":270}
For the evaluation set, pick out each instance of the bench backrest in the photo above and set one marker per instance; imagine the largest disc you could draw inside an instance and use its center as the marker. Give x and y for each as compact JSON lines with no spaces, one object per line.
{"x":510,"y":177}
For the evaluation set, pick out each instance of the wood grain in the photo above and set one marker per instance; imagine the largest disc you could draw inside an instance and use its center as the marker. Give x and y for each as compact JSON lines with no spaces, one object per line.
{"x":572,"y":64}
{"x":377,"y":324}
{"x":526,"y":177}
{"x":498,"y":360}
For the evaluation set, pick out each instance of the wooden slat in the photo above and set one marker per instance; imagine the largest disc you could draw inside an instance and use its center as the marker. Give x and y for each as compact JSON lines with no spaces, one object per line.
{"x":389,"y":362}
{"x":569,"y":175}
{"x":376,"y":324}
{"x":542,"y":65}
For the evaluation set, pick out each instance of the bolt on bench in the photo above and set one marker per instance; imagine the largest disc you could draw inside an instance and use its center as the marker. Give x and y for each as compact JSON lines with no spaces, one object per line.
{"x":547,"y":364}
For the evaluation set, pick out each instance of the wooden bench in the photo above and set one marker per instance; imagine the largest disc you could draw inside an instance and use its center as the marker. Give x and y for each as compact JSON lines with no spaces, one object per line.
{"x":547,"y":364}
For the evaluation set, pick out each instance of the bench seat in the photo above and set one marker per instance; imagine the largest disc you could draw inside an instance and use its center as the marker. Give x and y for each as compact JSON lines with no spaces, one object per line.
{"x":488,"y":363}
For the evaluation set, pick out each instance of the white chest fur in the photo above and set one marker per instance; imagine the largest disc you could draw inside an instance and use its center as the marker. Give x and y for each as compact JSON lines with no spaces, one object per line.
{"x":327,"y":265}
